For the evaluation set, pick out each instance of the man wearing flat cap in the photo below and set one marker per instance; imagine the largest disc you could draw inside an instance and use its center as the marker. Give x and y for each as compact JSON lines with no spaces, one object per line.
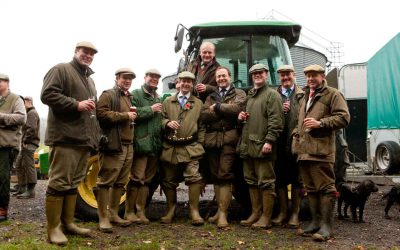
{"x":263,"y":122}
{"x":25,"y":164}
{"x":323,"y":110}
{"x":286,"y":168}
{"x":116,"y":148}
{"x":147,"y":146}
{"x":72,"y":134}
{"x":182,"y":147}
{"x":12,"y":117}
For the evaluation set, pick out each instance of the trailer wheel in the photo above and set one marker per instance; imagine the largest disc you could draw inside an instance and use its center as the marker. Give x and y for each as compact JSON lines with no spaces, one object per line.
{"x":387,"y":157}
{"x":86,"y":204}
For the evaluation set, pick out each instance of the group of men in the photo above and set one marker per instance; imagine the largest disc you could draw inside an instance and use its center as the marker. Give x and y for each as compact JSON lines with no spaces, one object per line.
{"x":276,"y":133}
{"x":19,"y":139}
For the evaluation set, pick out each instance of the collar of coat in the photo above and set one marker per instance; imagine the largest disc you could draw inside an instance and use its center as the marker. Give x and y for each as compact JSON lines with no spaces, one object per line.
{"x":297,"y":91}
{"x":254,"y":91}
{"x":146,"y":89}
{"x":318,"y":91}
{"x":29,"y":109}
{"x":230,"y":91}
{"x":191,"y":99}
{"x":83,"y":70}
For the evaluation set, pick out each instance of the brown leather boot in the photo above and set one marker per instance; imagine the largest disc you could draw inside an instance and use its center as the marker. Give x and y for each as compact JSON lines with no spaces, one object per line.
{"x":214,"y":218}
{"x":113,"y":208}
{"x":171,"y":204}
{"x":194,"y":196}
{"x":54,"y":206}
{"x":67,"y":217}
{"x":268,"y":199}
{"x":327,"y":202}
{"x":130,"y":205}
{"x":141,"y":204}
{"x":225,"y":196}
{"x":255,"y":198}
{"x":296,"y":201}
{"x":313,"y":227}
{"x":283,"y":207}
{"x":103,"y":197}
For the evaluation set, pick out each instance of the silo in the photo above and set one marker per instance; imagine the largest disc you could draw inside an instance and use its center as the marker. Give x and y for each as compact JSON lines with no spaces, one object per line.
{"x":303,"y":57}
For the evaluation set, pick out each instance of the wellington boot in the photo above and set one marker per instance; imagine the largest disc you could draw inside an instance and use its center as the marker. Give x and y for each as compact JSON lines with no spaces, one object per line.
{"x":294,"y":214}
{"x":141,"y":204}
{"x":194,"y":196}
{"x":15,"y":188}
{"x":3,"y":213}
{"x":29,"y":193}
{"x":103,"y":197}
{"x":255,"y":198}
{"x":21,"y":189}
{"x":130,"y":205}
{"x":114,"y":203}
{"x":171,"y":203}
{"x":283,"y":207}
{"x":214,"y":218}
{"x":313,"y":227}
{"x":268,"y":199}
{"x":54,"y":205}
{"x":225,"y":197}
{"x":327,"y":202}
{"x":67,"y":217}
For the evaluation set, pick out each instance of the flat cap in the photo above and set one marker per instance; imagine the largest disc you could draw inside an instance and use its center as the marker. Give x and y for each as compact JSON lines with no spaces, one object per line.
{"x":86,"y":44}
{"x":28,"y":98}
{"x":186,"y":74}
{"x":125,"y":71}
{"x":153,"y":71}
{"x":314,"y":67}
{"x":4,"y":77}
{"x":285,"y":67}
{"x":258,"y":67}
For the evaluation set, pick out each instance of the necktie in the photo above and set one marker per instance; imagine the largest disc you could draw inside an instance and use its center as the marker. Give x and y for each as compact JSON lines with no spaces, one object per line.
{"x":222,"y":92}
{"x":288,"y":91}
{"x":182,"y":101}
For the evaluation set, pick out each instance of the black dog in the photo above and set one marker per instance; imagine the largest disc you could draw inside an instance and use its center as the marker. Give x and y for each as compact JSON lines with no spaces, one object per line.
{"x":355,"y":198}
{"x":393,"y":196}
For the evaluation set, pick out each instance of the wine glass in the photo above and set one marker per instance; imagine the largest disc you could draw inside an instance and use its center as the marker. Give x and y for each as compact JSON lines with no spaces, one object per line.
{"x":132,"y":109}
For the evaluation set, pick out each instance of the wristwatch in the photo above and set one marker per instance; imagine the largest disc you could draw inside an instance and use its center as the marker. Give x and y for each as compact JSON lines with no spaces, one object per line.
{"x":321,"y":125}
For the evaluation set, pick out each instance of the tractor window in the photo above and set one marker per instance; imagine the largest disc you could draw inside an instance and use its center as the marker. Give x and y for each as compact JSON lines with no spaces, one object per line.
{"x":234,"y":53}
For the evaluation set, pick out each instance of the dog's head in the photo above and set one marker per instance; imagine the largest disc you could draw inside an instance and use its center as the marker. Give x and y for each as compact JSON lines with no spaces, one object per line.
{"x":367,"y":187}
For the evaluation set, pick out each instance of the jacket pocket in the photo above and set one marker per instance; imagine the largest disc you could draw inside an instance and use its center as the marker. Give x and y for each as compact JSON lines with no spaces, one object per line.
{"x":296,"y":144}
{"x":231,"y":137}
{"x":210,"y":140}
{"x":256,"y":143}
{"x":143,"y":145}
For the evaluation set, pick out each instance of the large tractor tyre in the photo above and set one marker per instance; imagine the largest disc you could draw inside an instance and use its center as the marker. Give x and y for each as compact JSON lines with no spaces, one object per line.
{"x":86,"y":204}
{"x":387,"y":157}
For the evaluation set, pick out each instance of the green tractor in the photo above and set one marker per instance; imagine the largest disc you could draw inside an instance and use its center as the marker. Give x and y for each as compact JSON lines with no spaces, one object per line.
{"x":239,"y":45}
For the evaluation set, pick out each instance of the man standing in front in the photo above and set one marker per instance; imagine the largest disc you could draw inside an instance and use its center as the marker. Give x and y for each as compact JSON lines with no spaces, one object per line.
{"x":116,"y":120}
{"x":219,"y":116}
{"x":26,"y":171}
{"x":286,"y":168}
{"x":204,"y":68}
{"x":12,"y":117}
{"x":263,"y":122}
{"x":72,"y":133}
{"x":323,"y":111}
{"x":182,"y":147}
{"x":147,"y":146}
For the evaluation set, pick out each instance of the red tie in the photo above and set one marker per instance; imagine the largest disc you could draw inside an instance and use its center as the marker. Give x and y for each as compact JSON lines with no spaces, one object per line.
{"x":312,"y":92}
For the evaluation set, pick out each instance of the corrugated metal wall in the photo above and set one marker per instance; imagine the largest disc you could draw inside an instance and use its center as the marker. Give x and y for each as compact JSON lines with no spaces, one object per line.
{"x":303,"y":57}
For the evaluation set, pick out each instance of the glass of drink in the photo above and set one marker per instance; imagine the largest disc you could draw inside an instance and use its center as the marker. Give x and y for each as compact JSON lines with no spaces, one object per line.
{"x":132,"y":109}
{"x":246,"y":116}
{"x":93,"y":111}
{"x":287,"y":104}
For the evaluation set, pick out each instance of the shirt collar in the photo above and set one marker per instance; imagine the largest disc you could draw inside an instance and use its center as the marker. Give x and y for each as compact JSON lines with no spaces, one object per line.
{"x":180,"y":95}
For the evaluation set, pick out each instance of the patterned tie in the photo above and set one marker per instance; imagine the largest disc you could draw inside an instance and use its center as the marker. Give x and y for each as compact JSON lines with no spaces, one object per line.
{"x":312,"y":93}
{"x":222,"y":92}
{"x":182,"y":101}
{"x":288,"y":92}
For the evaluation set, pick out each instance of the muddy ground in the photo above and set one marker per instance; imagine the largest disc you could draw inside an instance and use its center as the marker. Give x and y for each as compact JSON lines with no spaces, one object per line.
{"x":27,"y":226}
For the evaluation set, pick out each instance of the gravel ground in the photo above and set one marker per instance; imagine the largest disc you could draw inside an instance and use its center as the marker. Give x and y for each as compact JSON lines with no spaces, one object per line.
{"x":377,"y":232}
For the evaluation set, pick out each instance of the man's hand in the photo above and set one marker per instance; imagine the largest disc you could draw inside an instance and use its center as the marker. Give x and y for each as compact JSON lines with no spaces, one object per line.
{"x":86,"y":105}
{"x":286,"y":106}
{"x":267,"y":148}
{"x":173,"y":125}
{"x":212,"y":108}
{"x":200,"y":88}
{"x":311,"y":123}
{"x":156,"y":108}
{"x":132,"y":115}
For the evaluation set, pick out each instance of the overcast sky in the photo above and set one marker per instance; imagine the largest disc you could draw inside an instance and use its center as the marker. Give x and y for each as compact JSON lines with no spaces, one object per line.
{"x":37,"y":34}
